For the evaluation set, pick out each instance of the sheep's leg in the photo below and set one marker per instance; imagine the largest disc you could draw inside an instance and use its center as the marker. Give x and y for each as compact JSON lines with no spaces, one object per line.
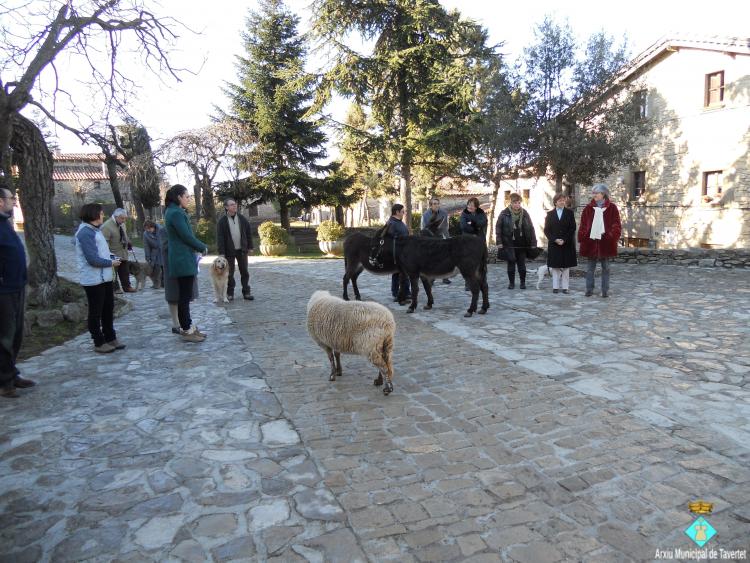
{"x":414,"y":282}
{"x":378,"y":380}
{"x":382,"y":358}
{"x":337,"y":357}
{"x":427,"y":284}
{"x":332,"y":376}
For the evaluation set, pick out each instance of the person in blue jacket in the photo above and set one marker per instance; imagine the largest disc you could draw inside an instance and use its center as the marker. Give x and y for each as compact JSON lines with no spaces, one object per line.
{"x":95,"y":265}
{"x":13,"y":281}
{"x":397,"y":229}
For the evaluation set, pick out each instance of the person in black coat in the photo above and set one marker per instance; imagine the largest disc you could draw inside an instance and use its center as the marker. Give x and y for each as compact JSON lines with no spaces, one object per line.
{"x":235,"y":241}
{"x":514,"y":233}
{"x":473,"y":221}
{"x":560,"y":230}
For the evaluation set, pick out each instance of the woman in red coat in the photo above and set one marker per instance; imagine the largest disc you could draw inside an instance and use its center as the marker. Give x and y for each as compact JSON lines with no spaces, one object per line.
{"x":598,"y":236}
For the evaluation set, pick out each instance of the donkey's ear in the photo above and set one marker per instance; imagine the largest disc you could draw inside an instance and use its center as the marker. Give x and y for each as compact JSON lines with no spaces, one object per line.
{"x":382,"y":232}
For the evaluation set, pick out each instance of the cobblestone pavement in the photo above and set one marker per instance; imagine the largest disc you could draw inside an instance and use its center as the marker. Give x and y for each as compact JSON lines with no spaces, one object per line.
{"x":554,"y":428}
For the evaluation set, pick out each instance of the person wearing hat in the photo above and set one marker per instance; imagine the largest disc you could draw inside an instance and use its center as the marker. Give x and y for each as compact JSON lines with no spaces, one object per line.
{"x":598,"y":236}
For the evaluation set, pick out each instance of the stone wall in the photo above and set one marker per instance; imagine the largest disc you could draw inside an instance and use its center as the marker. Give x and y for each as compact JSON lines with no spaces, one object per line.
{"x":705,"y":258}
{"x":710,"y":258}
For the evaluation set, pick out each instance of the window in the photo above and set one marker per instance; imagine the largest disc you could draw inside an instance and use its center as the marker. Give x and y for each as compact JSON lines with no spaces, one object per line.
{"x":714,"y":88}
{"x":639,"y":184}
{"x":641,"y":103}
{"x":506,"y":199}
{"x":712,"y":183}
{"x":526,"y":197}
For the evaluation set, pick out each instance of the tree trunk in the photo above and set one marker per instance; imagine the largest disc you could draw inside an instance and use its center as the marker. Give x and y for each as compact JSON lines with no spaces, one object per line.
{"x":339,"y":210}
{"x":197,"y":194}
{"x":558,"y":184}
{"x":491,"y":220}
{"x":284,"y":214}
{"x":36,"y":190}
{"x":140,"y":213}
{"x":6,"y":132}
{"x":209,"y":205}
{"x":405,"y":191}
{"x":111,"y":162}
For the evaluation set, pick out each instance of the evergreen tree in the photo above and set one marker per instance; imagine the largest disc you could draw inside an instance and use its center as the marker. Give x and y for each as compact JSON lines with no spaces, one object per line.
{"x":587,"y":125}
{"x":272,"y":98}
{"x":419,"y":82}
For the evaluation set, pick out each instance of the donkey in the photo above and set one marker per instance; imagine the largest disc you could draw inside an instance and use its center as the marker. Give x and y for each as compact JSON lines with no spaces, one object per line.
{"x":362,"y":253}
{"x":429,"y":258}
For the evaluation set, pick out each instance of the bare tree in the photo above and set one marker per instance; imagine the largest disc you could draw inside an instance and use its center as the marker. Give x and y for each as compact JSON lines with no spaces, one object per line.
{"x":204,"y":151}
{"x":33,"y":36}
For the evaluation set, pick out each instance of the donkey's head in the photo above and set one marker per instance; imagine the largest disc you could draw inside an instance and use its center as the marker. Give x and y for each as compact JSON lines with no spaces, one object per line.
{"x":381,"y":251}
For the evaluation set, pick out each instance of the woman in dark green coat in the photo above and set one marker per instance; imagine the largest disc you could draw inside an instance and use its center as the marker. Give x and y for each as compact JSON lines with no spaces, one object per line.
{"x":182,"y":261}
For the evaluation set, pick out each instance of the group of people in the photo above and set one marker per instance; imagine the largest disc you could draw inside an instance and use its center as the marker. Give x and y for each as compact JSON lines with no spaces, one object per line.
{"x":598,"y":236}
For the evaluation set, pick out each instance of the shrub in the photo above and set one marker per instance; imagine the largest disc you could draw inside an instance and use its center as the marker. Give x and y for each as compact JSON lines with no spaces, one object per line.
{"x":416,"y":221}
{"x":205,"y":230}
{"x":271,"y":233}
{"x":330,"y":231}
{"x":454,"y":225}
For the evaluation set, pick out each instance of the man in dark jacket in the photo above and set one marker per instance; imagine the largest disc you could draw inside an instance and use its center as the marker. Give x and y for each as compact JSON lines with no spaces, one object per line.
{"x":397,"y":229}
{"x":12,"y":298}
{"x":235,"y":242}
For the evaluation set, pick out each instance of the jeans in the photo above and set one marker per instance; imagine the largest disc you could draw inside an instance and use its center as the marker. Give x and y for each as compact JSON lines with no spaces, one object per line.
{"x":241,"y":258}
{"x":101,"y":300}
{"x":185,"y":284}
{"x":591,"y":268}
{"x":11,"y":333}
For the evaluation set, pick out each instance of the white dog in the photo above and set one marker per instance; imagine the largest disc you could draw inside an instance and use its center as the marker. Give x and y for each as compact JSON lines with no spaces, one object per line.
{"x":542,"y":271}
{"x":219,"y":271}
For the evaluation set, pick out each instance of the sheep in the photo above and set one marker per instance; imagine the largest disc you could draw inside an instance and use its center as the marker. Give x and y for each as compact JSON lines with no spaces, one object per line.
{"x":363,"y":328}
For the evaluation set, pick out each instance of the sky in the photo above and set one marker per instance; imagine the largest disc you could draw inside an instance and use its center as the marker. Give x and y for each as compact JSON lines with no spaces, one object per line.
{"x":168,"y":107}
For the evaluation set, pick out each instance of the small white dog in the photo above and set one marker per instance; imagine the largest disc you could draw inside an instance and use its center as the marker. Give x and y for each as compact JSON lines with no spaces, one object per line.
{"x":219,"y":271}
{"x":541,"y":272}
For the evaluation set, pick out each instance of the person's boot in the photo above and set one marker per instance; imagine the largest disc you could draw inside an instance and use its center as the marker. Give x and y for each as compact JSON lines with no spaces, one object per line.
{"x":9,"y":391}
{"x":511,"y":281}
{"x":22,"y":383}
{"x":247,"y":295}
{"x":523,"y":281}
{"x":104,"y":349}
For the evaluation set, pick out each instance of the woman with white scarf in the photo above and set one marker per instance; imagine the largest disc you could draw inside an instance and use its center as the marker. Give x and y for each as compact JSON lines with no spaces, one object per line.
{"x":598,"y":236}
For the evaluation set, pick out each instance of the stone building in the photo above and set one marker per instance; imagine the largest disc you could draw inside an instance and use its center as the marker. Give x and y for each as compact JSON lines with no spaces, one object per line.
{"x":82,"y":178}
{"x":691,"y":185}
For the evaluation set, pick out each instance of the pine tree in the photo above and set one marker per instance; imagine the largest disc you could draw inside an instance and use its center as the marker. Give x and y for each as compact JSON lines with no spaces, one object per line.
{"x":419,"y":82}
{"x":272,"y":97}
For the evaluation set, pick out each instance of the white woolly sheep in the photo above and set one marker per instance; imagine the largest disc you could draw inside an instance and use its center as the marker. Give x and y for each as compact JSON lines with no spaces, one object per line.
{"x":363,"y":328}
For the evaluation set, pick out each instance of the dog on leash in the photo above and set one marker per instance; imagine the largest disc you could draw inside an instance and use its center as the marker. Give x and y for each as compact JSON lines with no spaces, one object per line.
{"x":140,"y":271}
{"x":219,"y":272}
{"x":541,"y":272}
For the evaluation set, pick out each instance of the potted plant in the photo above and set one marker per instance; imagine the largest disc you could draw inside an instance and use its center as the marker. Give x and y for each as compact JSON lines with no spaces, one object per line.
{"x":273,"y":239}
{"x":330,"y":238}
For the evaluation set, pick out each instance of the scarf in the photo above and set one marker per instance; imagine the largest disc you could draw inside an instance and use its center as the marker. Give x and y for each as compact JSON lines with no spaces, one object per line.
{"x":516,"y":219}
{"x":597,"y":225}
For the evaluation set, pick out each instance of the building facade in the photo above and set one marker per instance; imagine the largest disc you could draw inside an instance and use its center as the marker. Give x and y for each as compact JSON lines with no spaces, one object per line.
{"x":691,"y":185}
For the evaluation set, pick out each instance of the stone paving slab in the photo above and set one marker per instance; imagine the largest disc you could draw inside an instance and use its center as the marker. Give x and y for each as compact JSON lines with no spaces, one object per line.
{"x":531,"y":434}
{"x":554,"y":428}
{"x":164,"y":451}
